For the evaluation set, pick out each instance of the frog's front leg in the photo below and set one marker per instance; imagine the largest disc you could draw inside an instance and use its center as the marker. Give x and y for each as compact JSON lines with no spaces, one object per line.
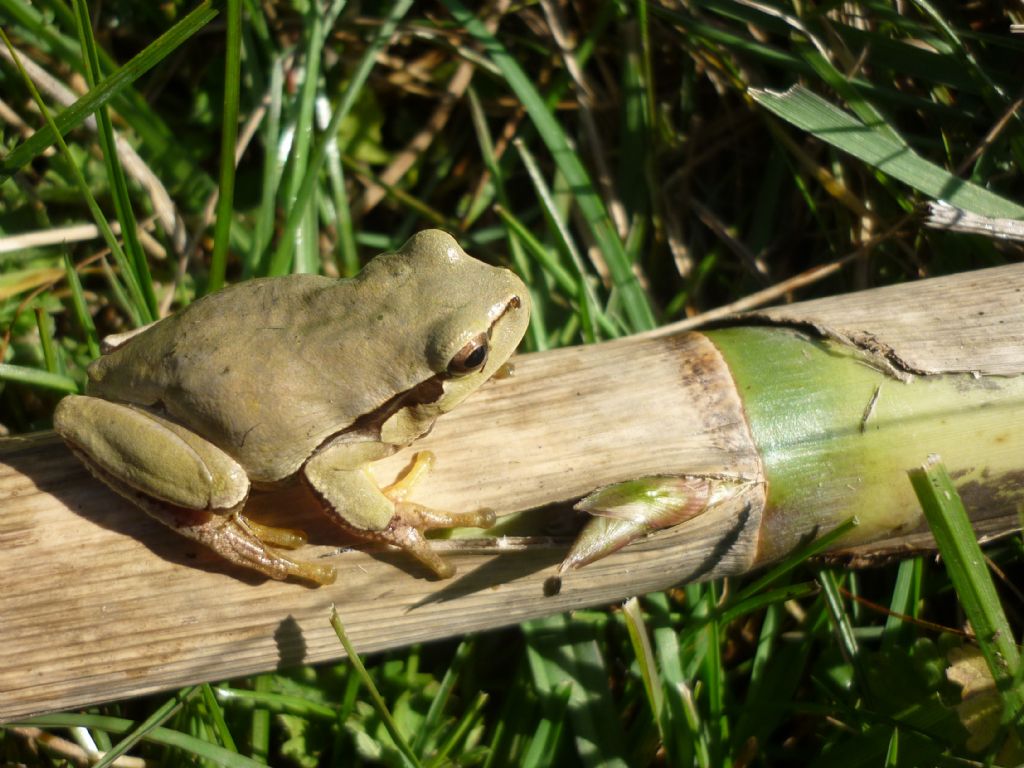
{"x":179,"y":478}
{"x":340,"y":476}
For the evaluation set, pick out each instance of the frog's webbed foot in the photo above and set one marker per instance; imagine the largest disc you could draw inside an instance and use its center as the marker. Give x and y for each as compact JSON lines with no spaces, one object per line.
{"x":242,"y":541}
{"x":180,"y":479}
{"x":411,"y":520}
{"x":355,"y":502}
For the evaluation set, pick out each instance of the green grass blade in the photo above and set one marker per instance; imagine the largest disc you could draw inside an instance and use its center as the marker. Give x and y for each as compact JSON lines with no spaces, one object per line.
{"x":259,"y":722}
{"x":516,"y":720}
{"x":117,"y":290}
{"x":37,"y":378}
{"x":965,"y":564}
{"x":638,"y":115}
{"x":466,"y":723}
{"x":563,"y":650}
{"x":164,"y":146}
{"x":141,"y":63}
{"x":81,"y":310}
{"x":641,"y":642}
{"x":378,"y":701}
{"x":861,"y":107}
{"x":44,"y":324}
{"x":813,"y":548}
{"x":273,"y":167}
{"x":589,"y":307}
{"x":538,"y":324}
{"x":418,"y":209}
{"x":635,"y":302}
{"x":713,"y":675}
{"x":843,"y":624}
{"x":544,"y":742}
{"x":685,"y":742}
{"x":158,"y":717}
{"x":282,"y":256}
{"x":115,"y":172}
{"x":562,"y":277}
{"x":906,"y":596}
{"x":228,"y":139}
{"x":216,"y":715}
{"x":305,"y":235}
{"x":996,"y":96}
{"x":747,"y":605}
{"x":263,"y":697}
{"x":435,"y":714}
{"x":892,"y":755}
{"x":347,"y":254}
{"x":36,"y":25}
{"x":875,"y":147}
{"x":774,"y":678}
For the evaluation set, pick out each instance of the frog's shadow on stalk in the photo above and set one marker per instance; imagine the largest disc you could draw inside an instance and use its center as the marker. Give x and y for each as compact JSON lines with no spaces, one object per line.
{"x":55,"y":470}
{"x":291,"y":643}
{"x":499,"y":570}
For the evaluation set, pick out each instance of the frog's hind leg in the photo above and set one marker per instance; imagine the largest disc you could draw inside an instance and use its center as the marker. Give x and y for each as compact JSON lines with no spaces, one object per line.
{"x":128,"y":447}
{"x":242,"y":541}
{"x":179,"y":478}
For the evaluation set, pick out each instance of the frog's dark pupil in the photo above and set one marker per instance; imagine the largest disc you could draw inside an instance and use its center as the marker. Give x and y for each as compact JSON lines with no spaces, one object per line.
{"x":476,"y":358}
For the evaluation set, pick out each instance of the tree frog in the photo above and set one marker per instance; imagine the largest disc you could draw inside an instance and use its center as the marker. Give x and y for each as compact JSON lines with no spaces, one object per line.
{"x":299,"y":377}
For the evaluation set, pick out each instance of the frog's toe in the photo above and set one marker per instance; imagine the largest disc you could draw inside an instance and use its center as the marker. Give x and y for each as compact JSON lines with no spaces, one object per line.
{"x":411,"y":520}
{"x":427,"y":519}
{"x":286,"y":538}
{"x":320,"y":574}
{"x":410,"y":538}
{"x":422,"y":464}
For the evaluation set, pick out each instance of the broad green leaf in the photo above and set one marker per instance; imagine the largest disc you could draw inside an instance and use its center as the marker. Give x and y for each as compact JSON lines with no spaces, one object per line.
{"x":811,"y":113}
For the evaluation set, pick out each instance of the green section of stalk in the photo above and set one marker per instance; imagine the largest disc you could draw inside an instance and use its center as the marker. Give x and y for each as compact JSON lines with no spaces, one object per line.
{"x":837,"y":435}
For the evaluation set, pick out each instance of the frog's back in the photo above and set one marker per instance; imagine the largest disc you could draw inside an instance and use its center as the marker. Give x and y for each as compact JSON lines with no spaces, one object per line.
{"x":269,"y":369}
{"x":243,"y":368}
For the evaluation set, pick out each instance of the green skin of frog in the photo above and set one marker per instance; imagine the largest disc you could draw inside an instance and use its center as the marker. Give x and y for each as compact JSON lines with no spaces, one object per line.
{"x":183,"y":419}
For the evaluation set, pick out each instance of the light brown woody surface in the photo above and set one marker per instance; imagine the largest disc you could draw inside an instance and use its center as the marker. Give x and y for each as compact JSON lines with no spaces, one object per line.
{"x":972,"y":322}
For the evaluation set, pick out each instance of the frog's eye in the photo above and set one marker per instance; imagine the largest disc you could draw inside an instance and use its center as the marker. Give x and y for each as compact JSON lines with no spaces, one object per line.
{"x":470,"y":358}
